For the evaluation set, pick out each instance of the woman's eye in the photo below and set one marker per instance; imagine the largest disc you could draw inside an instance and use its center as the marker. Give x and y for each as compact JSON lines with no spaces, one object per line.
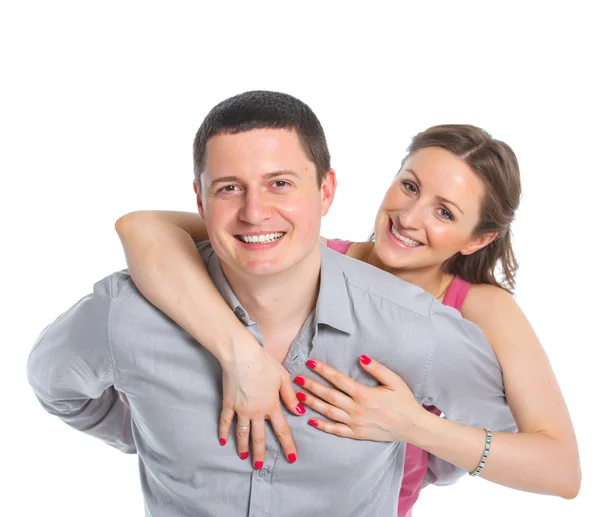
{"x":410,"y":187}
{"x":446,"y":214}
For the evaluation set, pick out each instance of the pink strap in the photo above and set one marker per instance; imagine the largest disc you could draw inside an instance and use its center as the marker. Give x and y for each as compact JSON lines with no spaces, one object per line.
{"x":457,"y":292}
{"x":339,"y":245}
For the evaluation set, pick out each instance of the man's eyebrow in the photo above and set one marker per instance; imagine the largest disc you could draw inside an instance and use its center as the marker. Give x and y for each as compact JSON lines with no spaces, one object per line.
{"x":442,"y":199}
{"x":224,"y":179}
{"x":268,"y":176}
{"x":275,"y":174}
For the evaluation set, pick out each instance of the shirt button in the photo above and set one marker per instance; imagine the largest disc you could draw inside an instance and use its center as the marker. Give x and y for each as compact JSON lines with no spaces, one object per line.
{"x":262,"y":472}
{"x":239,"y":312}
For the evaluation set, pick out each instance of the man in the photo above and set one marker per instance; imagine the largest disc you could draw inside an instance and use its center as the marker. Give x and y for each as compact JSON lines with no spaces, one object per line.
{"x":263,"y":182}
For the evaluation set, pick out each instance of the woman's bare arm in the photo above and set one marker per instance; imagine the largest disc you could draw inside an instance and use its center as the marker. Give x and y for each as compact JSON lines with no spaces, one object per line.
{"x":166,"y":267}
{"x":543,"y":456}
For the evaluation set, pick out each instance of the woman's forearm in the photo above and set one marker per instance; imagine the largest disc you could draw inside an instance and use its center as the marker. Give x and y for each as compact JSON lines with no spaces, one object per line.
{"x":533,"y":462}
{"x":177,"y":282}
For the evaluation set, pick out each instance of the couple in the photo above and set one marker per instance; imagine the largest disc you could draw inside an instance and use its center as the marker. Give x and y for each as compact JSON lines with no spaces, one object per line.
{"x":119,"y":369}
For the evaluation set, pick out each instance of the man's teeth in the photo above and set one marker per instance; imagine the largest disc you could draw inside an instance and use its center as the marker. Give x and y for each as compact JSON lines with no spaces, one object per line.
{"x":265,"y":237}
{"x":404,"y":240}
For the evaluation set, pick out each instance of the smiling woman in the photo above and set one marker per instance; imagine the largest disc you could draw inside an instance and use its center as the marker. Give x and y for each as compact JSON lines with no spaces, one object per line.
{"x":451,"y":206}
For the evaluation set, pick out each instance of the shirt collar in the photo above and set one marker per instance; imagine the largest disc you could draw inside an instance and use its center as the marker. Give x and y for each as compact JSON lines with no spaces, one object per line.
{"x":333,"y":303}
{"x":213,"y":266}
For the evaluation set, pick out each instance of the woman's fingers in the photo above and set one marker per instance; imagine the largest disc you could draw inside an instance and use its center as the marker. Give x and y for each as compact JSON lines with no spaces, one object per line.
{"x":243,"y":428}
{"x":338,"y":379}
{"x":225,"y":422}
{"x":327,"y":410}
{"x":284,"y":435}
{"x":288,"y":396}
{"x":332,"y":428}
{"x":384,"y":375}
{"x":259,"y":437}
{"x":330,"y":395}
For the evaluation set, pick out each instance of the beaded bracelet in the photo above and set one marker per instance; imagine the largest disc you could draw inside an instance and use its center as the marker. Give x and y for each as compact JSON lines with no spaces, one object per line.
{"x":486,"y":452}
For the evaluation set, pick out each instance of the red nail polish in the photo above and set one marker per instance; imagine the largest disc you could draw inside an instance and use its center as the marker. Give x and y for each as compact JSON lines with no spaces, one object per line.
{"x":292,"y":458}
{"x":258,"y":465}
{"x":301,"y":396}
{"x":311,"y":364}
{"x":365,"y":359}
{"x":244,"y":455}
{"x":222,"y":441}
{"x":300,"y":409}
{"x":299,"y":380}
{"x":313,"y":422}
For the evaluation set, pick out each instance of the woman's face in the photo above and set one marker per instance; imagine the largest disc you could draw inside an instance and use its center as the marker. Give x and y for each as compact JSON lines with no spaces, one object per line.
{"x":429,"y":212}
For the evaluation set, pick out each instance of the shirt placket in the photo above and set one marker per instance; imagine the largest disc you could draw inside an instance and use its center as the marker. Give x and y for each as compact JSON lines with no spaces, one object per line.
{"x":262,"y":485}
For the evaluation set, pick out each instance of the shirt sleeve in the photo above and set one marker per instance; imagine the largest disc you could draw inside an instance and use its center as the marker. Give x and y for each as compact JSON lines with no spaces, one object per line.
{"x":72,"y":373}
{"x":464,"y":379}
{"x":441,"y":473}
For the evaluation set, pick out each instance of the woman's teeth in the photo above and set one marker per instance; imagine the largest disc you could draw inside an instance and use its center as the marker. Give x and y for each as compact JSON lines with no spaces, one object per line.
{"x":266,"y":237}
{"x":404,"y":240}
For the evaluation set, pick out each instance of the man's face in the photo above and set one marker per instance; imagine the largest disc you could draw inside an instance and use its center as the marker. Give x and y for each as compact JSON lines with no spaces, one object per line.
{"x":261,"y":201}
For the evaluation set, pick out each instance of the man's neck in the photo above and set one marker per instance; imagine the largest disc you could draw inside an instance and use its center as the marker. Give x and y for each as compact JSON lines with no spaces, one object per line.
{"x":281,"y":303}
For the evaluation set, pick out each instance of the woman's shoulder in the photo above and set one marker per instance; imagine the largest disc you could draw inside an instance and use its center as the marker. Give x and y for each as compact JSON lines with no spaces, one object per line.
{"x":360,"y":250}
{"x":484,"y":300}
{"x":355,"y":250}
{"x":495,"y":312}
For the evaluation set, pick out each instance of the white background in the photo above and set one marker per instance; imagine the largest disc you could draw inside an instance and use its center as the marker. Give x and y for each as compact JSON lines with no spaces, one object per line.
{"x":99,"y":106}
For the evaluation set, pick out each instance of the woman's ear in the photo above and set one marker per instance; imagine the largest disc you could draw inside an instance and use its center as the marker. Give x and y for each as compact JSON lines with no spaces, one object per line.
{"x":481,"y":241}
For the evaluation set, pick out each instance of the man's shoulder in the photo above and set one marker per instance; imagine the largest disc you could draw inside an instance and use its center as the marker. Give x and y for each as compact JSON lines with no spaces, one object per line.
{"x":117,"y":285}
{"x":378,"y":284}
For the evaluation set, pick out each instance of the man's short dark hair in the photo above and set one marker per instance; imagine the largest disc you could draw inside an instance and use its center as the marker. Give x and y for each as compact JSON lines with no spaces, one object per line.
{"x":264,"y":110}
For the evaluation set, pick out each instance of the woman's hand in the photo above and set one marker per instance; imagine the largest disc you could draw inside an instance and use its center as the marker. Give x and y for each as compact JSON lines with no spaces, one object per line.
{"x":386,"y":413}
{"x":253,"y":383}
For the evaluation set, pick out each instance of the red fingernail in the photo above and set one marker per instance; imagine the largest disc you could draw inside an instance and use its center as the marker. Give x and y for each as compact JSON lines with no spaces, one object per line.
{"x":311,"y":364}
{"x":301,"y":396}
{"x":244,"y":455}
{"x":222,"y":441}
{"x":258,"y":465}
{"x":292,"y":458}
{"x":300,"y":409}
{"x":365,"y":359}
{"x":313,"y":422}
{"x":299,"y":380}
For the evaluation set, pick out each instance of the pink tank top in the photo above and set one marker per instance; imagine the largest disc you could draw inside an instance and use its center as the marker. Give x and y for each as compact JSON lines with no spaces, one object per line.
{"x":416,"y":460}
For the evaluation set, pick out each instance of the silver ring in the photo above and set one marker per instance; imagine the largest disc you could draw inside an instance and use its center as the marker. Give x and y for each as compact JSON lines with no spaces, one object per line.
{"x":243,"y":426}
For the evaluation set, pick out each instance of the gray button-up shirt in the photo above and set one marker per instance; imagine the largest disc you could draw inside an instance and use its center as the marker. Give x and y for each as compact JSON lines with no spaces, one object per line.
{"x":117,"y":368}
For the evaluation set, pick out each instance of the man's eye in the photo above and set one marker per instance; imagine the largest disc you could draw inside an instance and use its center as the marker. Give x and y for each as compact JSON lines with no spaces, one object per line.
{"x":280,"y":183}
{"x":229,"y":188}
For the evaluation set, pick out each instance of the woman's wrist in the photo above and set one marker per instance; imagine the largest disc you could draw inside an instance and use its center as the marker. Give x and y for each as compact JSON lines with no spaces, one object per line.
{"x":411,"y":427}
{"x":234,"y":347}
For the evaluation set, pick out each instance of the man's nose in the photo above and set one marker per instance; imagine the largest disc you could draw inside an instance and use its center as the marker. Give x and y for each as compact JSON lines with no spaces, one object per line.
{"x":256,"y":207}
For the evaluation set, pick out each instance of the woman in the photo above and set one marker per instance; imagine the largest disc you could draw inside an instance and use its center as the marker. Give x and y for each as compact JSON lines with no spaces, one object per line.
{"x":444,"y":225}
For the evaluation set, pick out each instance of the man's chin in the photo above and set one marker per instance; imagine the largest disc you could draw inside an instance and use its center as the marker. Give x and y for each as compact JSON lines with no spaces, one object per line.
{"x":263,"y":269}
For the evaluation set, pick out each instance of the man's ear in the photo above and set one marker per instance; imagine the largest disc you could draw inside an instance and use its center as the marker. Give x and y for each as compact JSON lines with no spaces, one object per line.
{"x":199,"y":199}
{"x":328,"y":186}
{"x":481,"y":241}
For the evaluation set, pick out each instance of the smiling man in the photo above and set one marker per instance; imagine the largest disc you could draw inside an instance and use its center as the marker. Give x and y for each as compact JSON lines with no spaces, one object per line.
{"x":115,"y":367}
